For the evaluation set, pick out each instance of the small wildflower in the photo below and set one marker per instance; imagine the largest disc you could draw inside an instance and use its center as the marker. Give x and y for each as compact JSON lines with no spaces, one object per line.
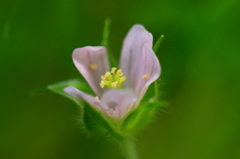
{"x":119,"y":90}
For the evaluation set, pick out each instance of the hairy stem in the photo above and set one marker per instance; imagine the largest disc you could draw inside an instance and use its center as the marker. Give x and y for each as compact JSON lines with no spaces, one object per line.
{"x":129,"y":149}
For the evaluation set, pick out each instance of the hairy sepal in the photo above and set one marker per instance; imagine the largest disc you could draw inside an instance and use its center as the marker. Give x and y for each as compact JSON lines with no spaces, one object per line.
{"x":94,"y":120}
{"x":140,"y":118}
{"x":58,"y":88}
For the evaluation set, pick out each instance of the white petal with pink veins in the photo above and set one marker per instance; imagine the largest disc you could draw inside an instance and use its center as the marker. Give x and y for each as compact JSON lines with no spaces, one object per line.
{"x":118,"y":102}
{"x":92,"y":62}
{"x":93,"y":101}
{"x":138,"y":60}
{"x":150,"y":71}
{"x":115,"y":103}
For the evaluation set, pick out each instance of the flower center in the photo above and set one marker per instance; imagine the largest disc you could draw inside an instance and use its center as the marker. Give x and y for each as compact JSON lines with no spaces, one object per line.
{"x":113,"y":79}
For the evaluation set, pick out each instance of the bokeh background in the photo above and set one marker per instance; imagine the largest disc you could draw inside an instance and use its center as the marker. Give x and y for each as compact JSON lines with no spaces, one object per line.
{"x":200,"y":76}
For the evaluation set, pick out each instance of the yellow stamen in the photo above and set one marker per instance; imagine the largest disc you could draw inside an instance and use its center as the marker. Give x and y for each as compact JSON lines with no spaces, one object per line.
{"x":145,"y":77}
{"x":114,"y":84}
{"x":119,"y":72}
{"x":97,"y":98}
{"x":102,"y":84}
{"x":93,"y":66}
{"x":110,"y":78}
{"x":113,"y":70}
{"x":107,"y":83}
{"x":113,"y":79}
{"x":121,"y":79}
{"x":107,"y":74}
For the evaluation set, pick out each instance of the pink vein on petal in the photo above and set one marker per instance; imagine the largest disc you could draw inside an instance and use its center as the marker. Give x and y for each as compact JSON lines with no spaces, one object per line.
{"x":138,"y":59}
{"x":93,"y":101}
{"x":92,"y":63}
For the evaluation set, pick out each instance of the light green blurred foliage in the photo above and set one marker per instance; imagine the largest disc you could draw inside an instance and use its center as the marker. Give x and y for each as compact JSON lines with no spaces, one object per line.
{"x":200,"y":76}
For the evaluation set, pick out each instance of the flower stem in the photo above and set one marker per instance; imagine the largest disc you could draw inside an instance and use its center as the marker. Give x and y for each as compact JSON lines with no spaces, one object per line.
{"x":129,"y":149}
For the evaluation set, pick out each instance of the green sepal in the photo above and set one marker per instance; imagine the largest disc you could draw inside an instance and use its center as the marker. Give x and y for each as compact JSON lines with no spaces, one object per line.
{"x":105,"y":39}
{"x":139,"y":118}
{"x":157,"y":44}
{"x":96,"y":122}
{"x":58,"y":88}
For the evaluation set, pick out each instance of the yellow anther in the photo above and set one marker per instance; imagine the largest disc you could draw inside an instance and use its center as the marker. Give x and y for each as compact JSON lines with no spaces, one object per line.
{"x":119,"y":72}
{"x":113,"y":79}
{"x":102,"y":84}
{"x":103,"y":77}
{"x":114,"y":84}
{"x":107,"y":74}
{"x":145,"y":77}
{"x":113,"y":70}
{"x":93,"y":66}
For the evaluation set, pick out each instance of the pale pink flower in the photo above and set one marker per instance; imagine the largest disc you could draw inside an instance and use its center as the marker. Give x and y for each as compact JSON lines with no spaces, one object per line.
{"x":138,"y":64}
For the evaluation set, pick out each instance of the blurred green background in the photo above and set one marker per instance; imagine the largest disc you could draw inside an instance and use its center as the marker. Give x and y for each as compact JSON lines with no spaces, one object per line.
{"x":200,"y":72}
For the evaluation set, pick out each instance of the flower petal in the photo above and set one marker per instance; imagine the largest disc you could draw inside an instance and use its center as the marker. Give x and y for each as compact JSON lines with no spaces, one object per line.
{"x":115,"y":103}
{"x":138,"y":59}
{"x":149,"y":71}
{"x":93,"y":101}
{"x":92,"y":62}
{"x":118,"y":102}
